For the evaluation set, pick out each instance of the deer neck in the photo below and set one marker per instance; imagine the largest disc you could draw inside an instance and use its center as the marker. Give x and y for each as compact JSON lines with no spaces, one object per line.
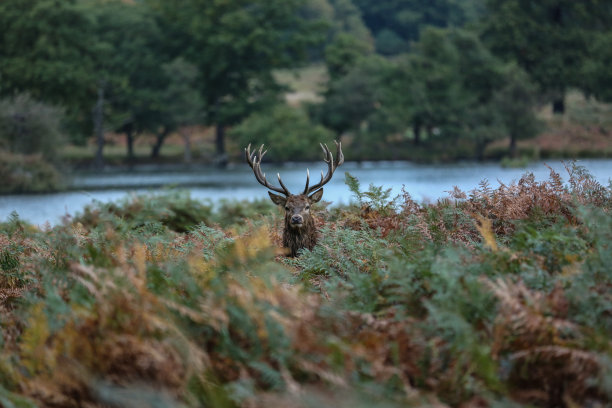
{"x":299,"y":238}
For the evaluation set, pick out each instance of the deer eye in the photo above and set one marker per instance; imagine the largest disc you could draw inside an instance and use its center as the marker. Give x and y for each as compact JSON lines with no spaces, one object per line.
{"x":308,"y":207}
{"x":286,"y":208}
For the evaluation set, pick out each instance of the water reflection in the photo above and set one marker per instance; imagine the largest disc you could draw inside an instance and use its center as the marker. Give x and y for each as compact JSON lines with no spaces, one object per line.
{"x":423,"y":182}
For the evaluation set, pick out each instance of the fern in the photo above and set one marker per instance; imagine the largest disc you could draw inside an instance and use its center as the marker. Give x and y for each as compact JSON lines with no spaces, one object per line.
{"x":354,"y":186}
{"x":12,"y":400}
{"x":268,"y":375}
{"x":376,"y":197}
{"x":409,"y":304}
{"x":9,"y":260}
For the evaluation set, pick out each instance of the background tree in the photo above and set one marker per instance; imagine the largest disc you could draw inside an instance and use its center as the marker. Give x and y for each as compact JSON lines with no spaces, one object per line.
{"x":236,"y":45}
{"x":45,"y":51}
{"x":28,"y":127}
{"x":596,"y":73}
{"x":425,"y":92}
{"x":286,"y":130}
{"x":341,"y":17}
{"x":352,"y":99}
{"x":549,"y":39}
{"x":181,"y":104}
{"x":347,"y":18}
{"x":515,"y":104}
{"x":343,"y":53}
{"x":130,"y":65}
{"x":394,"y":23}
{"x":453,"y":88}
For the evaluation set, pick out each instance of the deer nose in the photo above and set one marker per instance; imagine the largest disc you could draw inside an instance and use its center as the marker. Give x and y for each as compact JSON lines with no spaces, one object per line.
{"x":296,"y":219}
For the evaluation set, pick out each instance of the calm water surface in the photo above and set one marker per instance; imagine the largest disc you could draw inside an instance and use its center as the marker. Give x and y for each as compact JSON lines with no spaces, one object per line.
{"x":423,"y":182}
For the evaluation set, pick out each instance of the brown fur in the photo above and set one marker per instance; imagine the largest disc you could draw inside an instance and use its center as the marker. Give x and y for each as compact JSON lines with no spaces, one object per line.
{"x":300,"y":230}
{"x":298,"y":236}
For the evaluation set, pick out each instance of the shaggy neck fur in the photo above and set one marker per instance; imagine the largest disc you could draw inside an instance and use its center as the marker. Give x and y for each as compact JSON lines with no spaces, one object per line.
{"x":298,"y":238}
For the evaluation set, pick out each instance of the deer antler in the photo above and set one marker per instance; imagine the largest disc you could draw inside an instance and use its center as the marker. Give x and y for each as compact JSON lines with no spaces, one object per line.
{"x":331,"y":167}
{"x":254,"y":160}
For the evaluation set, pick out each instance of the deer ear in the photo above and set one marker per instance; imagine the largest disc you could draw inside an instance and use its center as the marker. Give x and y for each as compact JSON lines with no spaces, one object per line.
{"x":277,"y":199}
{"x":316,"y":196}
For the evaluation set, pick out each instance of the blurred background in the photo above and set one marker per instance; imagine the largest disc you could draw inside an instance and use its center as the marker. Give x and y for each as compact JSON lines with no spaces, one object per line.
{"x":101,"y":97}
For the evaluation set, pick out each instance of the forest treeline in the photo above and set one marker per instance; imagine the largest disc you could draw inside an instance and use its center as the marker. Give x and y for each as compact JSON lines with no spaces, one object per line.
{"x":422,"y":73}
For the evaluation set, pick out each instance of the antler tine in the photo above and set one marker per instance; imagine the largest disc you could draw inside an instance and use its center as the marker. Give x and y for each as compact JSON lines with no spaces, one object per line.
{"x":282,"y":184}
{"x":307,"y":181}
{"x":261,"y":154}
{"x":331,"y":166}
{"x":326,"y":153}
{"x":339,"y":154}
{"x":254,"y":160}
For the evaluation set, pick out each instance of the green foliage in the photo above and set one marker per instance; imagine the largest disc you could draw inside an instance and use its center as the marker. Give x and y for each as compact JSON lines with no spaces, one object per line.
{"x":235,"y":46}
{"x":426,"y":72}
{"x":528,"y":33}
{"x":389,"y":43}
{"x":352,"y":101}
{"x":515,"y":104}
{"x":11,"y":400}
{"x":182,"y":103}
{"x":27,"y":174}
{"x":342,"y":18}
{"x":236,"y":213}
{"x":30,"y":127}
{"x":343,"y":53}
{"x":595,"y":77}
{"x":46,"y":52}
{"x":287,"y":131}
{"x":395,"y":23}
{"x":376,"y":197}
{"x":129,"y":64}
{"x":457,"y":91}
{"x":177,"y":211}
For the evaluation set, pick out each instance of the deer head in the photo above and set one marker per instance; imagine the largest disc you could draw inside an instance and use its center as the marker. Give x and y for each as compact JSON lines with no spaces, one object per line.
{"x":300,"y":231}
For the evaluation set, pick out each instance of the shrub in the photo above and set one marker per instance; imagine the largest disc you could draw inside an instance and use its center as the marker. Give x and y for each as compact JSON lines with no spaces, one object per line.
{"x":28,"y":174}
{"x":286,"y":131}
{"x":30,"y":127}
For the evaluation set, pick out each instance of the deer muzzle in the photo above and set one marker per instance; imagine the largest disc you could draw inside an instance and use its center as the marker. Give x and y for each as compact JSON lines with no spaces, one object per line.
{"x":297,"y":220}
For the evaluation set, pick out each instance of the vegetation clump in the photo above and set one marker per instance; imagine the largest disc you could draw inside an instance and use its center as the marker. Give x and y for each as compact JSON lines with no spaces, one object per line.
{"x":494,"y":296}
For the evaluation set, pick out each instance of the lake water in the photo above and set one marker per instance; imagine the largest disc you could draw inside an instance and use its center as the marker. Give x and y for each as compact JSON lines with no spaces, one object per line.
{"x":423,"y":182}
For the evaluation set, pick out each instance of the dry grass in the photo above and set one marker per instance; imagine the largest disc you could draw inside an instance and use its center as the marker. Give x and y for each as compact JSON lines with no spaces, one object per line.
{"x":305,"y":84}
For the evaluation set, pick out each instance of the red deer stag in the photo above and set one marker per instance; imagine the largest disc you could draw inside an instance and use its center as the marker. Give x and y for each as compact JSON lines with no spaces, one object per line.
{"x":300,"y":231}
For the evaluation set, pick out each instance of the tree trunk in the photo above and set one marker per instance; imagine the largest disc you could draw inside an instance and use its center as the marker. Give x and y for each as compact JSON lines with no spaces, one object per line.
{"x":186,"y":135}
{"x":220,"y":142}
{"x":98,"y":122}
{"x":559,"y":105}
{"x":429,"y":132}
{"x":512,"y":147}
{"x":558,"y":100}
{"x":559,"y":97}
{"x":159,"y":141}
{"x":480,"y":149}
{"x":416,"y":130}
{"x":129,"y":137}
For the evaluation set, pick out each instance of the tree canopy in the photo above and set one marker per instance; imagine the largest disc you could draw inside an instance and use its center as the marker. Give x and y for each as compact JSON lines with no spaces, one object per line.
{"x":45,"y":52}
{"x":410,"y":70}
{"x":235,"y":45}
{"x":550,"y":39}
